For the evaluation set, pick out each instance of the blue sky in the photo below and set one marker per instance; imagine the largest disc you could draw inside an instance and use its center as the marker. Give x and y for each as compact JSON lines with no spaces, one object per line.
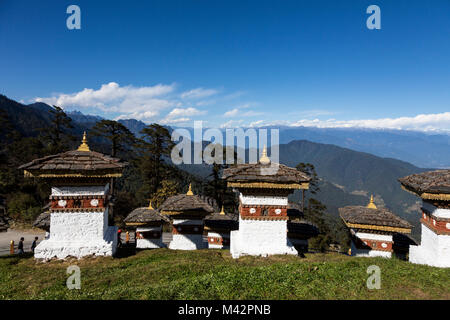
{"x":233,"y":63}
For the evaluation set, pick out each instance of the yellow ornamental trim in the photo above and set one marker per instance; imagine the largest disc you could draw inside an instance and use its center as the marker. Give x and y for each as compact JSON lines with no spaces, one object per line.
{"x":435,"y":196}
{"x":135,"y":223}
{"x":171,"y":212}
{"x":186,"y":213}
{"x":429,"y":196}
{"x":28,"y":174}
{"x":303,"y":185}
{"x":215,"y":229}
{"x":378,"y":228}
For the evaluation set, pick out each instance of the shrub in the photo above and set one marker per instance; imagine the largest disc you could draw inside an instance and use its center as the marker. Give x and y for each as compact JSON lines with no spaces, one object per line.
{"x":23,"y":207}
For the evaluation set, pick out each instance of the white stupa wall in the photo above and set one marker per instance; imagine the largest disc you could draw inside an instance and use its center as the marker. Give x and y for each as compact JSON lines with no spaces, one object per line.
{"x":78,"y":248}
{"x":186,"y":241}
{"x":221,"y":235}
{"x":366,"y":237}
{"x":369,"y":253}
{"x":260,"y":238}
{"x":437,"y":212}
{"x":99,"y":190}
{"x":263,"y":200}
{"x":434,"y":249}
{"x":153,"y":243}
{"x":78,"y":225}
{"x":78,"y":234}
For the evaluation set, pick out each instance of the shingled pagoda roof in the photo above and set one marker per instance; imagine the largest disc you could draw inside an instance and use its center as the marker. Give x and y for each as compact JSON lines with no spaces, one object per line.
{"x":265,"y":174}
{"x":255,"y":173}
{"x":429,"y":185}
{"x":77,"y":163}
{"x":220,"y":220}
{"x":185,"y":203}
{"x":145,"y":215}
{"x":360,"y":217}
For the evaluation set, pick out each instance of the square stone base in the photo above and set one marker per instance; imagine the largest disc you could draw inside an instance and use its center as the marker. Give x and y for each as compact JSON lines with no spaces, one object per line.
{"x":59,"y":249}
{"x":239,"y":248}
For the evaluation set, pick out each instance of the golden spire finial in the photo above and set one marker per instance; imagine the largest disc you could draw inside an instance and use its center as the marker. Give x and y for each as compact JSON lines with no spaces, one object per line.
{"x":150,"y":205}
{"x":84,"y":146}
{"x":222,"y":212}
{"x":190,"y":193}
{"x":371,"y":204}
{"x":264,"y":159}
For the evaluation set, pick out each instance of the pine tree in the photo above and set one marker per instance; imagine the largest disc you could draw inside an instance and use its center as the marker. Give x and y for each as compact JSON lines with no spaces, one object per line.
{"x":314,"y":213}
{"x":155,"y":144}
{"x":120,"y":138}
{"x":315,"y":210}
{"x":217,"y":188}
{"x":57,"y":136}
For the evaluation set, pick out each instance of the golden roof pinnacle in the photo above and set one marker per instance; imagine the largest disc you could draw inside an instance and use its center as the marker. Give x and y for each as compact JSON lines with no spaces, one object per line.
{"x":264,"y":159}
{"x":150,"y":205}
{"x":83,"y":146}
{"x":222,"y":212}
{"x":190,"y":193}
{"x":371,"y":204}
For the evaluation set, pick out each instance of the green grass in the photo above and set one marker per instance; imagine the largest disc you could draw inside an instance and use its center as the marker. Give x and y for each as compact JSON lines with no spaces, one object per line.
{"x":213,"y":274}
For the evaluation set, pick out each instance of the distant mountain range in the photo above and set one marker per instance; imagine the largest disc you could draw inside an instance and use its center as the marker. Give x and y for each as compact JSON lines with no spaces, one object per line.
{"x":79,"y":117}
{"x":419,"y":148}
{"x":348,"y":177}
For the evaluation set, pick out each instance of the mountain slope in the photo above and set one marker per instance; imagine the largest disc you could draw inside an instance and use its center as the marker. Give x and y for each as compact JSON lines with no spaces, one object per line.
{"x":421,"y":149}
{"x":355,"y":172}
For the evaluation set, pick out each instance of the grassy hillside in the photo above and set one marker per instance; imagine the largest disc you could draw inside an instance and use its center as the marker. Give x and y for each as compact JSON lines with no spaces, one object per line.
{"x":213,"y":274}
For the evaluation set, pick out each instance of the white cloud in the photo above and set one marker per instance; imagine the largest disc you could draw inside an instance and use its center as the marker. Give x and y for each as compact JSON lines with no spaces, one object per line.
{"x":422,"y":122}
{"x":173,"y":121}
{"x":179,"y":115}
{"x":256,"y":124}
{"x":239,"y":112}
{"x":129,"y":101}
{"x":232,"y":124}
{"x":146,"y":115}
{"x":231,"y":113}
{"x":312,"y":113}
{"x":185,"y":112}
{"x":198,"y":93}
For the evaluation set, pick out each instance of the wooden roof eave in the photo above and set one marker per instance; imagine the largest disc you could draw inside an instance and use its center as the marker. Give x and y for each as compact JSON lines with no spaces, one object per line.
{"x":376,"y":228}
{"x":29,"y":174}
{"x":427,"y":195}
{"x":272,"y":185}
